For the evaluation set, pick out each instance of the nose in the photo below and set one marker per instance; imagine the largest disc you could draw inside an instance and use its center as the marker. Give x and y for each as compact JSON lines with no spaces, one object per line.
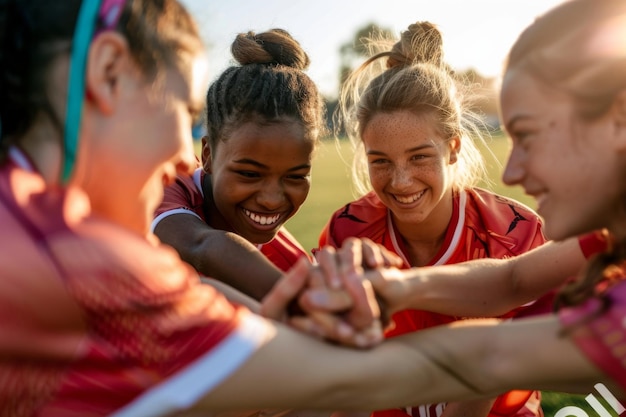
{"x":401,"y":178}
{"x":271,"y":196}
{"x":514,"y":170}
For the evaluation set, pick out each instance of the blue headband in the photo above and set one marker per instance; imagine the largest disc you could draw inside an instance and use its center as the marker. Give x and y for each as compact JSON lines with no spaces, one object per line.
{"x":89,"y":16}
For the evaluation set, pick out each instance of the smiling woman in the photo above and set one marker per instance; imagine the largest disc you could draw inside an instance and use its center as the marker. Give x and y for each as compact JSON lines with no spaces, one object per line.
{"x":410,"y":121}
{"x":264,"y":120}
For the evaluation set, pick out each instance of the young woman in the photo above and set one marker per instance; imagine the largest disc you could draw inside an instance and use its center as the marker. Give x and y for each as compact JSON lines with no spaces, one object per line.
{"x":264,"y":119}
{"x":409,"y":118}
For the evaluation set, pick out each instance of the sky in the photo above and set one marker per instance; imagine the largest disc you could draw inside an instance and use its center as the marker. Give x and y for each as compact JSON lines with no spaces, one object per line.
{"x":476,"y":33}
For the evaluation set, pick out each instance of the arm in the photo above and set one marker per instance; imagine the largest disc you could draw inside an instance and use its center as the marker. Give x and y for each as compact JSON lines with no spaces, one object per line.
{"x":222,"y":255}
{"x":467,"y":360}
{"x":481,"y":287}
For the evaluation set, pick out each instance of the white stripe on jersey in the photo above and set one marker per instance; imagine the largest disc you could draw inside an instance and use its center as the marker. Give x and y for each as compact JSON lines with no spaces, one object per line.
{"x":184,"y":388}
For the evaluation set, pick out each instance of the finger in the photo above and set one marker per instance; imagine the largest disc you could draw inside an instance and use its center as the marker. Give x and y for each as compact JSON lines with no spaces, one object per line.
{"x":376,"y":255}
{"x":351,"y":254}
{"x":372,"y":254}
{"x":365,"y":309}
{"x":316,"y":278}
{"x":327,"y":262}
{"x":370,"y":336}
{"x":274,"y":304}
{"x":324,"y":299}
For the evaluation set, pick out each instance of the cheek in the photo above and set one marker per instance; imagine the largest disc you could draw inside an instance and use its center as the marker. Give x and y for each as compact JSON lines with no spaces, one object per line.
{"x":298,"y":194}
{"x":379,"y":175}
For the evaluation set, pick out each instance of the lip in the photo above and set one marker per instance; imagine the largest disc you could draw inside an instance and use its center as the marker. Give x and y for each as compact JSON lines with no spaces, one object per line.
{"x":263,"y":221}
{"x":408,"y":200}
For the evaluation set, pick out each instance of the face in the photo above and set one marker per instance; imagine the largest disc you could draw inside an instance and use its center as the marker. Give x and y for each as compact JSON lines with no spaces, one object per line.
{"x":567,"y":164}
{"x":144,"y":144}
{"x":409,"y":166}
{"x":260,"y":177}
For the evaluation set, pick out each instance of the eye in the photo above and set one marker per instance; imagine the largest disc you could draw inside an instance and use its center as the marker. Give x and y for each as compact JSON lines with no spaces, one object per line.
{"x":418,"y":157}
{"x":298,"y":177}
{"x":248,"y":174}
{"x":378,"y":161}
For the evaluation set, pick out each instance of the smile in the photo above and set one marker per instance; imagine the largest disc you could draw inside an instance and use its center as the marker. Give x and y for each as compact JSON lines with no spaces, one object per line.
{"x":409,"y":199}
{"x":260,"y":219}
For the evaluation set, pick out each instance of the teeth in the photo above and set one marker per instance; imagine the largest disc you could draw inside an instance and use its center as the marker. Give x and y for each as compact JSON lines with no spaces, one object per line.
{"x":262,"y":220}
{"x":409,"y":199}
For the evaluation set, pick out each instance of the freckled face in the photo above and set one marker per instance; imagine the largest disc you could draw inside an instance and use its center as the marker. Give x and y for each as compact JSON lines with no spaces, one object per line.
{"x":260,"y":177}
{"x":409,"y":166}
{"x":567,"y":164}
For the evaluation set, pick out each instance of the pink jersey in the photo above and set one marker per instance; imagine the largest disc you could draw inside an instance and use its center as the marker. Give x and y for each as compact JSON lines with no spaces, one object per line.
{"x":186,"y":196}
{"x":483,"y":225}
{"x":598,"y":330}
{"x":96,"y":320}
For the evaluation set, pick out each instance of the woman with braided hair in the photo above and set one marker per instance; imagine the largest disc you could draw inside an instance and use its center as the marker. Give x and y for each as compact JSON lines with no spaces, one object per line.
{"x":264,"y":118}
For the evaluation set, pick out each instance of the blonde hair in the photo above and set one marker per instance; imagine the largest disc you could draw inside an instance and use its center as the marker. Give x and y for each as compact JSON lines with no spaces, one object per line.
{"x":410,"y":74}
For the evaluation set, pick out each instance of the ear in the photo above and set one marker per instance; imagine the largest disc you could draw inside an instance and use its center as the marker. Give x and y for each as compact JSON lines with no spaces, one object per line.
{"x":455,"y":147}
{"x":109,"y":57}
{"x":206,"y":155}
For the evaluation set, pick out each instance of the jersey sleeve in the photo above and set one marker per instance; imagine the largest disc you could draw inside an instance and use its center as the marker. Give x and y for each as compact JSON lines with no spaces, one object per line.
{"x":158,"y":338}
{"x":182,"y":196}
{"x":600,"y":334}
{"x":284,"y":250}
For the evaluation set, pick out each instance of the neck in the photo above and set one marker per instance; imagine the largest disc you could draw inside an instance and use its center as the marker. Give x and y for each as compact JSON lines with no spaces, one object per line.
{"x":44,"y":151}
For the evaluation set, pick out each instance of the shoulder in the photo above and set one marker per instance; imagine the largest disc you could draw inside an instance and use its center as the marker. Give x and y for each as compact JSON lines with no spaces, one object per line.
{"x":504,"y":221}
{"x":284,"y":250}
{"x":185,"y":193}
{"x":365,"y":217}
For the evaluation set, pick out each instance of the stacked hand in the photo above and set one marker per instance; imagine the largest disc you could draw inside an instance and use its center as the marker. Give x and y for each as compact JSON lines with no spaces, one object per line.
{"x":346,"y":297}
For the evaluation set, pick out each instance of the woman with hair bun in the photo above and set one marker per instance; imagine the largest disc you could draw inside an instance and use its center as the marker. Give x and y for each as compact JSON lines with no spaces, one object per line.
{"x":416,"y":163}
{"x":264,"y":118}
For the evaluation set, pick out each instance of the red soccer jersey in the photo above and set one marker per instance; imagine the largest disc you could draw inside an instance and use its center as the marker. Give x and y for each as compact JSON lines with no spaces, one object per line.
{"x":96,"y":319}
{"x":186,"y":196}
{"x":483,"y":225}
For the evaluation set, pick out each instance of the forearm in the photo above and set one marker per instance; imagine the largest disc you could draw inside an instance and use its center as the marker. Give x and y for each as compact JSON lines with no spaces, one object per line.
{"x":233,"y":260}
{"x":491,"y":287}
{"x":466,"y":361}
{"x":222,"y":255}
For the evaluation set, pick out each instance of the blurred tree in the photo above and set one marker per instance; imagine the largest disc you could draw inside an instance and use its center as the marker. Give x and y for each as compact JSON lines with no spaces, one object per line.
{"x":354,"y":52}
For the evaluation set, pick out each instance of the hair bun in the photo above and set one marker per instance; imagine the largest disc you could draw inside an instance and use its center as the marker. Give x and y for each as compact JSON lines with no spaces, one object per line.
{"x":274,"y":47}
{"x":421,"y":42}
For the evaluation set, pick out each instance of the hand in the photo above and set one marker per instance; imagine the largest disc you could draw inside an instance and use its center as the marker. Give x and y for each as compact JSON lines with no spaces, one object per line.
{"x":345,"y":268}
{"x":330,"y":322}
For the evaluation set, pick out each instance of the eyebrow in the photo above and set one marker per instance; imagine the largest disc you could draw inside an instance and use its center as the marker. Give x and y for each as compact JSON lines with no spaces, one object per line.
{"x":263,"y":166}
{"x":509,"y":125}
{"x":410,"y":150}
